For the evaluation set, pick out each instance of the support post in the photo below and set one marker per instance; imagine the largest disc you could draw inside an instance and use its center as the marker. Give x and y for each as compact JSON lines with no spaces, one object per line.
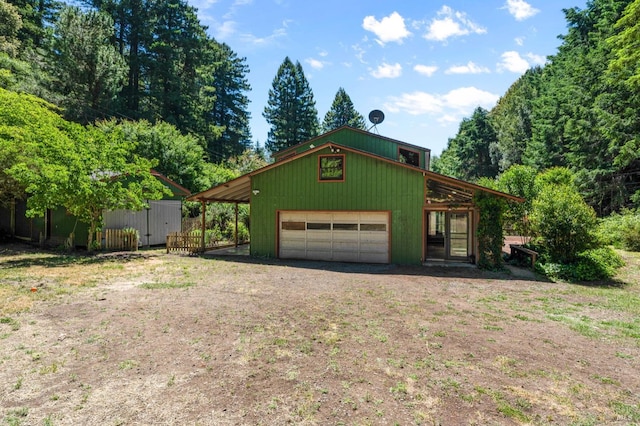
{"x":236,"y":233}
{"x":12,"y":225}
{"x":204,"y":224}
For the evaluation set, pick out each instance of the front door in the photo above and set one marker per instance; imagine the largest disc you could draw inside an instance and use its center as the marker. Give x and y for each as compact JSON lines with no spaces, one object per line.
{"x":447,"y":235}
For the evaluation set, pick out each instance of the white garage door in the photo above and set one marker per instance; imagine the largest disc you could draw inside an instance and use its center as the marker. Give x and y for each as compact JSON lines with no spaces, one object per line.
{"x":336,"y":236}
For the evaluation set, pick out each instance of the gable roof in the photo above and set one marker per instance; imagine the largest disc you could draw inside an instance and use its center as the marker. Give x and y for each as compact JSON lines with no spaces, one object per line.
{"x":289,"y":150}
{"x":238,"y":190}
{"x":177,"y":189}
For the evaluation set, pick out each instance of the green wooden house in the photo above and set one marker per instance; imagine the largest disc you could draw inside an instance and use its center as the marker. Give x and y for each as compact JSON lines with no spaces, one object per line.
{"x":354,"y":196}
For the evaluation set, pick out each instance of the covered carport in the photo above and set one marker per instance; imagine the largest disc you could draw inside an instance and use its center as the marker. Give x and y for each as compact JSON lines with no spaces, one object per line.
{"x":236,"y":191}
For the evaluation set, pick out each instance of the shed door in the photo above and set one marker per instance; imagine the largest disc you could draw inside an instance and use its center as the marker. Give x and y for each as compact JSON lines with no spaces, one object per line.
{"x":153,"y":225}
{"x":336,"y":236}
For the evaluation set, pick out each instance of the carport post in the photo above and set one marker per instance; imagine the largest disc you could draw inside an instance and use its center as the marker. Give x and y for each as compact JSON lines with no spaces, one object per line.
{"x":236,"y":233}
{"x":204,"y":224}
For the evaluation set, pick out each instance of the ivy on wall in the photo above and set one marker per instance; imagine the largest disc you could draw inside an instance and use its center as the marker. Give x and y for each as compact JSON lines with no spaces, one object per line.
{"x":490,"y":231}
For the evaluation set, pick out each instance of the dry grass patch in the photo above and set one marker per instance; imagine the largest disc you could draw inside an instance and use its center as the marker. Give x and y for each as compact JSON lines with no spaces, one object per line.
{"x":154,"y":338}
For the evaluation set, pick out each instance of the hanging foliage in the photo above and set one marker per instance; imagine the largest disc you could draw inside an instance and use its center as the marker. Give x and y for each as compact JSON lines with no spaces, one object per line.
{"x":490,"y":232}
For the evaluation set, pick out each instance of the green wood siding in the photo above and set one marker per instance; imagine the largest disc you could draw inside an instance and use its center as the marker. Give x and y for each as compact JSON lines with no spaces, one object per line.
{"x":362,"y":141}
{"x":370,"y":184}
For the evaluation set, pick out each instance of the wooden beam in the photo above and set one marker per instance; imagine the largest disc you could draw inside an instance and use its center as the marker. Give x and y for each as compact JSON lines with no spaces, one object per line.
{"x":204,"y":225}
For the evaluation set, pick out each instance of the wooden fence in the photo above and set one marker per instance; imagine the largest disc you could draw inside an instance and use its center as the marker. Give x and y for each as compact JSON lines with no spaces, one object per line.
{"x":188,"y":242}
{"x":119,"y":239}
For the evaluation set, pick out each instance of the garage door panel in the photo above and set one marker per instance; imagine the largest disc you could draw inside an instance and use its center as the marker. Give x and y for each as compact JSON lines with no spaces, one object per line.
{"x":374,"y":257}
{"x":346,"y":246}
{"x":293,"y":245}
{"x":337,"y":236}
{"x":318,"y":255}
{"x":345,"y":236}
{"x":374,"y":239}
{"x":324,"y":245}
{"x":345,"y":256}
{"x":374,"y":250}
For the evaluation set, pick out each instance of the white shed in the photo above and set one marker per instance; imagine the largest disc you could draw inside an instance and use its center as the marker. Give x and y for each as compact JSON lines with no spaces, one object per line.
{"x":153,"y":224}
{"x":157,"y":221}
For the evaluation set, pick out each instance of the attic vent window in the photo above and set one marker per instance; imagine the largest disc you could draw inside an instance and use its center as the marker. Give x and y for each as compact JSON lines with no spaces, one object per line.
{"x":409,"y":157}
{"x":331,"y":168}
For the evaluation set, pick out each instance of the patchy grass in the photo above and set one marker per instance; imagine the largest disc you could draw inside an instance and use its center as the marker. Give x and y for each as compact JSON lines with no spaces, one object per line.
{"x":196,"y":340}
{"x":165,"y":285}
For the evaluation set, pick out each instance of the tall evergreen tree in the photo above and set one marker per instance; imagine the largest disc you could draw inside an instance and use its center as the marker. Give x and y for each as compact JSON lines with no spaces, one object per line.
{"x":577,"y":81}
{"x":228,"y":75}
{"x":342,"y":113}
{"x":37,"y":16}
{"x":88,"y":70}
{"x":10,"y":24}
{"x":291,"y":110}
{"x":175,"y":56}
{"x":618,"y":107}
{"x":512,"y":118}
{"x":468,"y":156}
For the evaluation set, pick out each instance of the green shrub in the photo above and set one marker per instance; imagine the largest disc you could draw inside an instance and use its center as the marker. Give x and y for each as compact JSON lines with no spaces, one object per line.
{"x":210,"y":235}
{"x":563,"y":223}
{"x":621,"y":230}
{"x":243,"y":233}
{"x":590,"y":265}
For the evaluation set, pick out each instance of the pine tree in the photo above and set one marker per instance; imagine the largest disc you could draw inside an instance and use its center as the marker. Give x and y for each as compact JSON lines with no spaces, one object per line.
{"x":342,"y":113}
{"x":469,"y":156}
{"x":229,"y":109}
{"x":10,"y":24}
{"x":37,"y":16}
{"x":291,"y":110}
{"x":88,"y":71}
{"x":175,"y":55}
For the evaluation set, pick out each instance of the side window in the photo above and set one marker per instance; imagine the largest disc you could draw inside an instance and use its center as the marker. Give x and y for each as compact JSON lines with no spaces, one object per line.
{"x":409,"y":157}
{"x":331,"y":168}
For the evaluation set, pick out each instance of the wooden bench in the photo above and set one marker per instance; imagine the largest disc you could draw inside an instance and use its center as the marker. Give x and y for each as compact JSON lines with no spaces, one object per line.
{"x":517,"y":250}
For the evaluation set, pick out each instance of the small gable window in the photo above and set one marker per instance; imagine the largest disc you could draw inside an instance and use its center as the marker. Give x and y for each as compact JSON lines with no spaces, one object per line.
{"x":331,"y":168}
{"x":408,"y":156}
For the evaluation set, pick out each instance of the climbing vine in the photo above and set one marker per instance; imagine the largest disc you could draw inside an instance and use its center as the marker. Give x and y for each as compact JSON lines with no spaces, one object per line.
{"x":490,"y":231}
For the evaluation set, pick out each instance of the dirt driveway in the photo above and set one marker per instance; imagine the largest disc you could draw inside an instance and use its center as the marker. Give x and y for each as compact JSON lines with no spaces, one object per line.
{"x":163,"y":339}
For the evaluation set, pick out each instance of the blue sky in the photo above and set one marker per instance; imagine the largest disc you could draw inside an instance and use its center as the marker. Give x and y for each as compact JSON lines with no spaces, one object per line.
{"x":426,"y":64}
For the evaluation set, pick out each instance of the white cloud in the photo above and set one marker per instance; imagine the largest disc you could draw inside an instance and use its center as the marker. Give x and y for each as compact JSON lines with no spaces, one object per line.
{"x":469,"y":68}
{"x":519,"y":41}
{"x":536,"y":59}
{"x":415,"y":103}
{"x":263,"y":41}
{"x":451,"y":23}
{"x":202,"y":5}
{"x":226,"y":30}
{"x":520,"y":9}
{"x":513,"y":62}
{"x":359,"y":52}
{"x":427,"y":70}
{"x":316,"y":64}
{"x":387,"y":71}
{"x":468,"y":98}
{"x":448,"y":119}
{"x":448,"y":108}
{"x":388,"y":29}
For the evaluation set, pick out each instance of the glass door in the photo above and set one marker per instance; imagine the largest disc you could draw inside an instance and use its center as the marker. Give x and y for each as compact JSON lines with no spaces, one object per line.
{"x":447,"y":235}
{"x":436,"y":225}
{"x":458,"y":234}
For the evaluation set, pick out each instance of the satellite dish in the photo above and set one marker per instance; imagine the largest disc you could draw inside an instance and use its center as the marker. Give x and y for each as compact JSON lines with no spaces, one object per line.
{"x":376,"y":116}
